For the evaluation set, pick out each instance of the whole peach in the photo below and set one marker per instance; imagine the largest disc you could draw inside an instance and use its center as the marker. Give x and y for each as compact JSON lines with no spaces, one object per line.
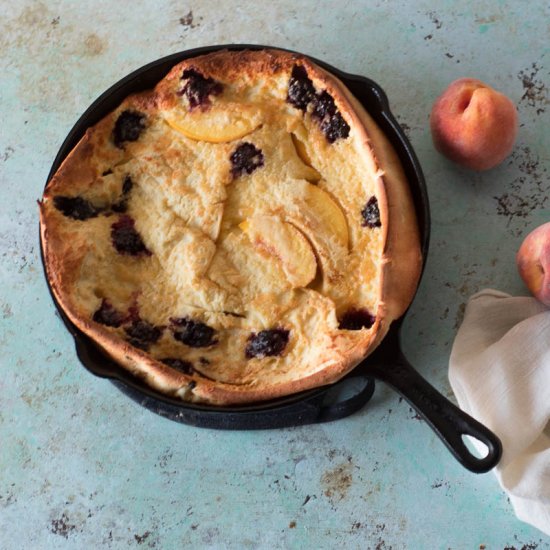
{"x":533,"y":261}
{"x":473,"y":125}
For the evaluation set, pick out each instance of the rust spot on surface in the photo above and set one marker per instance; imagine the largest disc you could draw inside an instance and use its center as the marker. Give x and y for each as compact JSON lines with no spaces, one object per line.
{"x":7,"y":499}
{"x":535,"y":94}
{"x":140,"y":539}
{"x":487,"y":20}
{"x":8,"y":152}
{"x":435,"y":20}
{"x":188,"y":21}
{"x":61,"y":526}
{"x":440,"y":483}
{"x":6,"y":311}
{"x":33,"y":15}
{"x":381,"y":543}
{"x":526,"y":193}
{"x":337,"y":481}
{"x":93,"y":45}
{"x":28,"y":28}
{"x":165,"y":458}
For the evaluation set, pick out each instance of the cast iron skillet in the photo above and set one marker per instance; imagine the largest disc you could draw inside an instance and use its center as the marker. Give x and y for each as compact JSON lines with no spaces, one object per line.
{"x":387,"y":363}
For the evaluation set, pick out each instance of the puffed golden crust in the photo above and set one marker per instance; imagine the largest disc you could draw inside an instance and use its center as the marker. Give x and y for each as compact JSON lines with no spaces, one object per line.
{"x":244,"y":242}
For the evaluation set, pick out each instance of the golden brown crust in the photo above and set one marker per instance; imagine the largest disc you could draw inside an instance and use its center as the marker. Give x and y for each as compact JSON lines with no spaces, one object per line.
{"x":203,"y":263}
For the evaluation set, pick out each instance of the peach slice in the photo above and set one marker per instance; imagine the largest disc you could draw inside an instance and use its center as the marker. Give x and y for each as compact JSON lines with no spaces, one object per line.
{"x":272,"y":236}
{"x":322,"y":221}
{"x":324,"y":217}
{"x":216,"y":125}
{"x":301,"y":151}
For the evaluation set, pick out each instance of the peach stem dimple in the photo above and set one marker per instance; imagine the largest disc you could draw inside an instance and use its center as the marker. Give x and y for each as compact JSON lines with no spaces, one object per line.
{"x":465,"y":101}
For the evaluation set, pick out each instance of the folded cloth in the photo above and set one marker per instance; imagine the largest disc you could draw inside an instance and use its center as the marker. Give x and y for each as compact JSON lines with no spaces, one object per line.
{"x":500,"y":373}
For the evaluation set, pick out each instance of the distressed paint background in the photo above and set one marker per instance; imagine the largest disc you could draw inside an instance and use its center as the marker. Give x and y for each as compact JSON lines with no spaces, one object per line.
{"x":81,"y":466}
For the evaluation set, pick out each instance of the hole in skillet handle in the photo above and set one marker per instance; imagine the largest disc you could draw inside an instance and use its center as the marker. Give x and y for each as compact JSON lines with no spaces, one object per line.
{"x":318,"y":405}
{"x":448,"y":421}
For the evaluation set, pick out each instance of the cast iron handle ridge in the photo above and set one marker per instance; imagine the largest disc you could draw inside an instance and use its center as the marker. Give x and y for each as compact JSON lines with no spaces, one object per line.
{"x":447,"y":420}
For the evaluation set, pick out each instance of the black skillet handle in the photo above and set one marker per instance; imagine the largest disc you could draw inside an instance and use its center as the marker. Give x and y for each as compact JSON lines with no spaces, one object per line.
{"x":448,"y":421}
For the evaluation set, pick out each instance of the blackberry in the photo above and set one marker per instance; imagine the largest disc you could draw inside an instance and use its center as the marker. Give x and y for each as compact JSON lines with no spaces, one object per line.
{"x":192,"y":333}
{"x":108,"y":315}
{"x":371,"y":213}
{"x":323,"y":106}
{"x":142,"y":334}
{"x":178,"y":364}
{"x":76,"y":208}
{"x":126,"y":239}
{"x":245,"y":159}
{"x":335,"y":128}
{"x":331,"y":122}
{"x":300,"y":88}
{"x":356,"y":319}
{"x":198,"y":88}
{"x":128,"y":127}
{"x":267,"y":343}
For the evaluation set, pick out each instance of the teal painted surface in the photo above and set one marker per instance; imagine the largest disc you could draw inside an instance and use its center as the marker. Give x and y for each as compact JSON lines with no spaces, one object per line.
{"x":81,"y":466}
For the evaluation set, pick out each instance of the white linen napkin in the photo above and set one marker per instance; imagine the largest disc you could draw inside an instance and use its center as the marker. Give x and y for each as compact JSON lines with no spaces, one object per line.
{"x":500,"y":373}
